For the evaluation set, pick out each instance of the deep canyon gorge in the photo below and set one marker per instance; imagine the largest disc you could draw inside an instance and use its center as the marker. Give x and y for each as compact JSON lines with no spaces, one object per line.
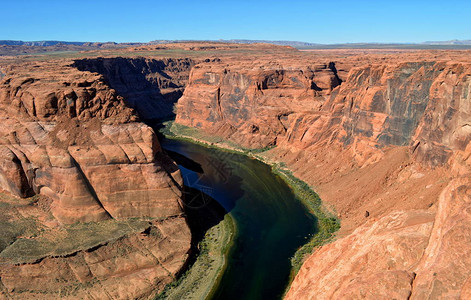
{"x":92,"y":204}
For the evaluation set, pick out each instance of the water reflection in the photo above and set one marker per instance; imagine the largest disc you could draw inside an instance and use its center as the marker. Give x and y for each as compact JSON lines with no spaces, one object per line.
{"x":271,"y":223}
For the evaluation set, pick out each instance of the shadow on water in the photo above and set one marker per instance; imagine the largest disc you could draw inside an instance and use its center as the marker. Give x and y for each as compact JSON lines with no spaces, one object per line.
{"x":210,"y":171}
{"x":271,"y":223}
{"x":202,"y":213}
{"x":185,"y":162}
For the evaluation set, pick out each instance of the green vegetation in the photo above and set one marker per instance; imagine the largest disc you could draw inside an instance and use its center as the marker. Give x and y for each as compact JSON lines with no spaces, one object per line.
{"x":66,"y":240}
{"x":182,"y":132}
{"x":327,"y":223}
{"x":13,"y":223}
{"x":200,"y":281}
{"x":176,"y":130}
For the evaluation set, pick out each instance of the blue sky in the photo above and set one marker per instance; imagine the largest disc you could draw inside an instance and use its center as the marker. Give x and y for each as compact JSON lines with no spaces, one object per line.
{"x":334,"y":21}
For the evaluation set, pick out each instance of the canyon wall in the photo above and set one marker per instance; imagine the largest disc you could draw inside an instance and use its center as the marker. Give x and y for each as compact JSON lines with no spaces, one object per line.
{"x":70,"y":140}
{"x":418,"y":104}
{"x":249,"y":103}
{"x":383,"y":138}
{"x":151,"y":86}
{"x":385,"y":142}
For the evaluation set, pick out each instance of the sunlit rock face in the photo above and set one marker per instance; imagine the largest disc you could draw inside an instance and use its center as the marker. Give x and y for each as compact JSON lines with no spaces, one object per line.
{"x":380,"y":137}
{"x":383,"y":138}
{"x":70,"y":140}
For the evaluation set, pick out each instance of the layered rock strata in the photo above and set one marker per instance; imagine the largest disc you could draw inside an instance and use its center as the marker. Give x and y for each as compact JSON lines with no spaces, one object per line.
{"x":151,"y":86}
{"x":383,"y":138}
{"x":380,"y":140}
{"x":67,"y":137}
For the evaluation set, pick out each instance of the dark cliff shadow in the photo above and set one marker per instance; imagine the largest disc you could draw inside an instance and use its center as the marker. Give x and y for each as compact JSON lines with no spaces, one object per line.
{"x":207,"y":170}
{"x":158,"y":125}
{"x":202,"y":213}
{"x":150,"y":86}
{"x":185,"y":161}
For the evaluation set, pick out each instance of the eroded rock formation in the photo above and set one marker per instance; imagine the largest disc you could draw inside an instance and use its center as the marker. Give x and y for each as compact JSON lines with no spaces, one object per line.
{"x":151,"y":86}
{"x":69,"y":138}
{"x":383,"y":138}
{"x":249,"y":103}
{"x":379,"y":134}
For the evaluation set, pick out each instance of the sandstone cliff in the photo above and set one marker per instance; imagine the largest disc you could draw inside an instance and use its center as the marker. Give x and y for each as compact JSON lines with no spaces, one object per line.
{"x":249,"y":102}
{"x":383,"y":137}
{"x":71,"y":140}
{"x":380,"y":140}
{"x":151,"y":86}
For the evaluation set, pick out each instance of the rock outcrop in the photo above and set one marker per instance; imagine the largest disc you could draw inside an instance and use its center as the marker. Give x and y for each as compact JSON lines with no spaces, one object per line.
{"x":380,"y":134}
{"x":74,"y":142}
{"x":108,"y":259}
{"x":380,"y":268}
{"x":259,"y":103}
{"x":151,"y":86}
{"x":383,"y":136}
{"x":250,"y":102}
{"x":69,"y":138}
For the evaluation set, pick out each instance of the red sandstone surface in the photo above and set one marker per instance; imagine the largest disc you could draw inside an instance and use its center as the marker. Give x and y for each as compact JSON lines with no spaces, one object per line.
{"x":383,"y":138}
{"x":380,"y":131}
{"x":67,"y":136}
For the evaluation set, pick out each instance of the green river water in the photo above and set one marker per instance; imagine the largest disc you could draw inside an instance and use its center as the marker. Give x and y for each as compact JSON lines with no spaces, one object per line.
{"x":271,"y":223}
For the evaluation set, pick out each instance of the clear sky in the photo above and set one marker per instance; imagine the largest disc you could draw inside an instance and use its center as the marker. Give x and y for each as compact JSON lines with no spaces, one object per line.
{"x":334,"y":21}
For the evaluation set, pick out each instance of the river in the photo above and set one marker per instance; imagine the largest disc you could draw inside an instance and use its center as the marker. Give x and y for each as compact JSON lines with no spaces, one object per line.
{"x":271,"y":223}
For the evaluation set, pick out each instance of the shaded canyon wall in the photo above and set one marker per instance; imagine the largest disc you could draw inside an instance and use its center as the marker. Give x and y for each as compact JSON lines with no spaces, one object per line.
{"x":386,"y":145}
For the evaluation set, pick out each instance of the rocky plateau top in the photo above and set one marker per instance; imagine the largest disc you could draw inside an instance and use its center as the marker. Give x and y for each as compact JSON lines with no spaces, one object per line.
{"x":382,"y":135}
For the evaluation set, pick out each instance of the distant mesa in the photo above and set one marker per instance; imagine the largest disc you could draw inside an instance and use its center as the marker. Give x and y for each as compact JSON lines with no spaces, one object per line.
{"x":13,"y":47}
